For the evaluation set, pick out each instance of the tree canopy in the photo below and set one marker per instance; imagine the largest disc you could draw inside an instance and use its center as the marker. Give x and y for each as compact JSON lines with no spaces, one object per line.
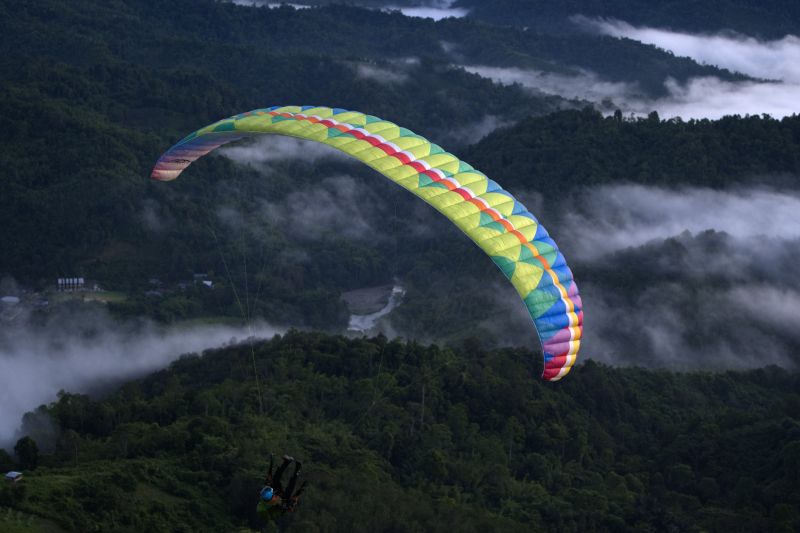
{"x":398,"y":436}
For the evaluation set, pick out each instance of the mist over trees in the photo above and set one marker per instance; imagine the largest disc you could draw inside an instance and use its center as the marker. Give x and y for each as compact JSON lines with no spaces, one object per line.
{"x":770,"y":19}
{"x":400,"y":436}
{"x":81,"y":130}
{"x":682,"y":235}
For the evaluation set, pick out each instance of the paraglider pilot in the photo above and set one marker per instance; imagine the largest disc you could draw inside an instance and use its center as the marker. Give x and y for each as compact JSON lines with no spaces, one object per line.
{"x":275,"y":501}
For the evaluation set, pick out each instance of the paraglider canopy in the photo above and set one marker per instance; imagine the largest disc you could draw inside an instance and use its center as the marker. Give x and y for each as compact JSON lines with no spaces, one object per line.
{"x":489,"y":215}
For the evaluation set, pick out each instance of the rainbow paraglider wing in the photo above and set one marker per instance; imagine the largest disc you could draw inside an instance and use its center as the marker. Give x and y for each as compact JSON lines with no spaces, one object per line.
{"x":499,"y":224}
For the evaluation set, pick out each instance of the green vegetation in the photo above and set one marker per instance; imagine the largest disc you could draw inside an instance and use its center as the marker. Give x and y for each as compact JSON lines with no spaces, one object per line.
{"x":12,"y":521}
{"x":396,"y":436}
{"x":572,"y":149}
{"x":87,"y":296}
{"x":404,"y":437}
{"x":84,"y":114}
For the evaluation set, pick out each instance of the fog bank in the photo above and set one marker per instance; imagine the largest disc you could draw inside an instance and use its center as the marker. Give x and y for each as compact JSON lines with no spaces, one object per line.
{"x":83,"y":349}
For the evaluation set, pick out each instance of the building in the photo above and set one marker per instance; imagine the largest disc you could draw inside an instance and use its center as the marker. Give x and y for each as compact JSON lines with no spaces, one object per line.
{"x":13,"y":477}
{"x":70,"y":284}
{"x":9,"y":300}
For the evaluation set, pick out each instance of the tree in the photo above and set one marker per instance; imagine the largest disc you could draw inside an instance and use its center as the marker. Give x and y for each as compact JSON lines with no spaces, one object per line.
{"x":6,"y":462}
{"x":27,"y":453}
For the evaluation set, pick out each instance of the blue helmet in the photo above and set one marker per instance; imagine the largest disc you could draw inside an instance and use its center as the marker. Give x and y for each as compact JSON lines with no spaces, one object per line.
{"x":266,"y":494}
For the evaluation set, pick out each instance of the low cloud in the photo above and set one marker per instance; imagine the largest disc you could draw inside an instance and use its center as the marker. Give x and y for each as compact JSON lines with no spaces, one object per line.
{"x":231,"y":218}
{"x":268,"y":4}
{"x":436,"y":10}
{"x":690,"y":279}
{"x":473,"y":132}
{"x":355,"y":206}
{"x":380,"y":74}
{"x":265,"y":150}
{"x":773,"y":307}
{"x":687,"y":279}
{"x":602,"y":220}
{"x":711,"y":97}
{"x":155,"y":217}
{"x":448,"y":47}
{"x":84,"y":349}
{"x":706,"y":97}
{"x":9,"y":287}
{"x":388,"y":72}
{"x":773,"y":60}
{"x":581,"y":84}
{"x":338,"y":205}
{"x":509,"y":322}
{"x":681,"y":326}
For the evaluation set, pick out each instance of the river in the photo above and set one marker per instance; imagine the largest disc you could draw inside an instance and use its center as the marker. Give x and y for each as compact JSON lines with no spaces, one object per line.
{"x":363,"y":323}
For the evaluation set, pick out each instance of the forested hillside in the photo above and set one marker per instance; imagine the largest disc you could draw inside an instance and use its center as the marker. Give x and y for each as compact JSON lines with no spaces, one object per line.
{"x":683,"y":412}
{"x":84,"y":114}
{"x":398,"y":436}
{"x":572,"y":149}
